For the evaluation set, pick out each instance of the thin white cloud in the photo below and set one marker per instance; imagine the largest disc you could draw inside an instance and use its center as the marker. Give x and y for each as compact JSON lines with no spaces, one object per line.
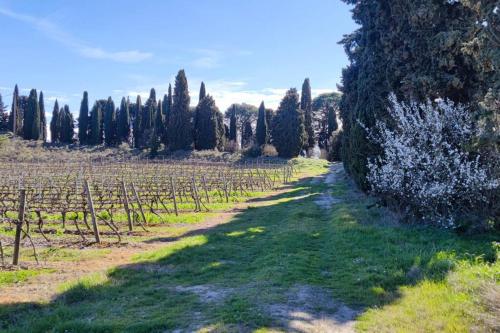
{"x":52,"y":31}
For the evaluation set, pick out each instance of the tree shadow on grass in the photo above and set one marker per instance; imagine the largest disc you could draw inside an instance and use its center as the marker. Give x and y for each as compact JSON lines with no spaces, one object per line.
{"x":271,"y":266}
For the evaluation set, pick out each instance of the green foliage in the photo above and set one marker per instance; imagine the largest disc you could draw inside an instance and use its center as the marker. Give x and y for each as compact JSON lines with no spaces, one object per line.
{"x":288,"y":126}
{"x":247,"y":134}
{"x":31,"y":125}
{"x":43,"y":120}
{"x":306,"y":107}
{"x":166,"y":109}
{"x":4,"y":117}
{"x":137,"y":131}
{"x":16,"y":116}
{"x":232,"y":125}
{"x":67,"y":125}
{"x":55,"y":134}
{"x":206,"y":125}
{"x":110,"y":130}
{"x":179,"y":127}
{"x":83,"y":120}
{"x":203,"y":92}
{"x":262,"y":130}
{"x":123,"y":123}
{"x":332,"y":121}
{"x":95,"y":130}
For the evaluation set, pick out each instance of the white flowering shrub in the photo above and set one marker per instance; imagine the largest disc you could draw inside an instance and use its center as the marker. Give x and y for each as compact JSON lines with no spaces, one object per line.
{"x":424,"y":167}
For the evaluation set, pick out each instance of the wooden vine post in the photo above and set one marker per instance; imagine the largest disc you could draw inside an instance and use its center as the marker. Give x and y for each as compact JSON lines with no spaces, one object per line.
{"x":126,"y":204}
{"x":92,"y":212}
{"x":19,"y":227}
{"x":138,"y":200}
{"x":172,"y":186}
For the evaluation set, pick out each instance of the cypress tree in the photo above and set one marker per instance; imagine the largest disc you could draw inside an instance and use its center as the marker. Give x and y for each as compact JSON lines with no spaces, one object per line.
{"x":31,"y":126}
{"x":332,"y":121}
{"x":4,"y":117}
{"x":110,"y":123}
{"x":95,"y":137}
{"x":232,"y":125}
{"x":180,"y":134}
{"x":306,"y":107}
{"x":288,"y":126}
{"x":203,"y":92}
{"x":16,"y":116}
{"x":166,"y":109}
{"x":262,"y":134}
{"x":206,"y":133}
{"x":247,"y":134}
{"x":54,"y":129}
{"x":67,"y":125}
{"x":137,"y":130}
{"x":221,"y":131}
{"x":123,"y":126}
{"x":83,"y":120}
{"x":43,"y":120}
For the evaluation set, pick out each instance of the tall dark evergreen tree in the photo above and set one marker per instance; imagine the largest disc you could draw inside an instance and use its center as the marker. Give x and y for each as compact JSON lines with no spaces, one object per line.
{"x":232,"y":125}
{"x":206,"y":132}
{"x":16,"y":114}
{"x":31,"y":125}
{"x":4,"y":116}
{"x":137,"y":130}
{"x":54,"y":127}
{"x":180,"y":134}
{"x":247,"y":134}
{"x":262,"y":132}
{"x":95,"y":130}
{"x":203,"y":92}
{"x":123,"y":126}
{"x":166,"y":109}
{"x":43,"y":120}
{"x":221,"y":131}
{"x":159,"y":128}
{"x":110,"y":132}
{"x":83,"y":120}
{"x":332,"y":121}
{"x":306,"y":107}
{"x":288,"y":126}
{"x":67,"y":125}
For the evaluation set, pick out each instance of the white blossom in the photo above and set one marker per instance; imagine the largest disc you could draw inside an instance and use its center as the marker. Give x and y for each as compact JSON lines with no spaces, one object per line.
{"x":424,"y":165}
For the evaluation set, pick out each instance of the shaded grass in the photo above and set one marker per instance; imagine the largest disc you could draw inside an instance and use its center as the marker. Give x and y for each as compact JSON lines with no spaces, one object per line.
{"x":407,"y":278}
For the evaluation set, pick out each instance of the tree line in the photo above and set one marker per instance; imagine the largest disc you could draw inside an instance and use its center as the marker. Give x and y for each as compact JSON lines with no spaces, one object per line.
{"x":169,"y":122}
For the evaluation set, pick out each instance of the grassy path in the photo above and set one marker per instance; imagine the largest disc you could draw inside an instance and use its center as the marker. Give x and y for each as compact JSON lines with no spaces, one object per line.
{"x":308,"y":259}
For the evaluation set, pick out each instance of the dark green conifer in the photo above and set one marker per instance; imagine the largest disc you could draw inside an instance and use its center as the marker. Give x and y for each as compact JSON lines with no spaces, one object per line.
{"x":306,"y":107}
{"x":247,"y":134}
{"x":123,"y":126}
{"x":83,"y":120}
{"x":4,"y":117}
{"x":180,"y":134}
{"x":110,"y":123}
{"x":206,"y":133}
{"x":95,"y":130}
{"x":332,"y":121}
{"x":232,"y":125}
{"x":203,"y":92}
{"x":16,"y":116}
{"x":54,"y":128}
{"x":31,"y":125}
{"x":288,"y":126}
{"x":137,"y":130}
{"x":262,"y":132}
{"x":67,"y":125}
{"x":43,"y":120}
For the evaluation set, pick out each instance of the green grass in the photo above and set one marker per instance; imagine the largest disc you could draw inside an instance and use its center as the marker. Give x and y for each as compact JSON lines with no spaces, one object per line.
{"x":17,"y":276}
{"x":403,"y":278}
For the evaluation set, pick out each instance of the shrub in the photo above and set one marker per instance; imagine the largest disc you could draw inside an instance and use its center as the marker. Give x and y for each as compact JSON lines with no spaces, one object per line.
{"x":335,"y":146}
{"x":424,"y":168}
{"x":269,"y":151}
{"x":253,"y":151}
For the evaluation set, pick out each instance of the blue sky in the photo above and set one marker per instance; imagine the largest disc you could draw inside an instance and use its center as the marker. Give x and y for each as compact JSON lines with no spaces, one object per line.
{"x":245,"y":51}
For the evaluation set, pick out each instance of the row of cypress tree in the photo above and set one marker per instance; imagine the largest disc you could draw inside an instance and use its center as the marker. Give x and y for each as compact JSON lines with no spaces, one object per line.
{"x":169,"y":121}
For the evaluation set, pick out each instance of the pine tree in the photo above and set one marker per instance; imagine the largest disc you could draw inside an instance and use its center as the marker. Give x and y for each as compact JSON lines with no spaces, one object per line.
{"x":43,"y":120}
{"x":159,"y":122}
{"x":16,"y":118}
{"x":83,"y":120}
{"x":288,"y":126}
{"x":306,"y":107}
{"x":262,"y":132}
{"x":4,"y":117}
{"x":54,"y":128}
{"x":31,"y":125}
{"x":123,"y":126}
{"x":203,"y":92}
{"x":95,"y":137}
{"x":206,"y":132}
{"x":110,"y":123}
{"x":232,"y":125}
{"x":137,"y":130}
{"x":180,"y":135}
